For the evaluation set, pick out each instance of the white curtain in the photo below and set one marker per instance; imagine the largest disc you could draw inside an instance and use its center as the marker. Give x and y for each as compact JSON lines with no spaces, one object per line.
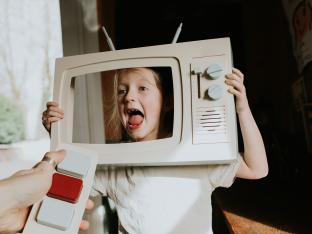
{"x":30,"y":40}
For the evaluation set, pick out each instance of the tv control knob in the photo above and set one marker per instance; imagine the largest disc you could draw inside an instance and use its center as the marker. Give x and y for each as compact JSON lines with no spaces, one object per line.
{"x":214,"y":71}
{"x":215,"y":92}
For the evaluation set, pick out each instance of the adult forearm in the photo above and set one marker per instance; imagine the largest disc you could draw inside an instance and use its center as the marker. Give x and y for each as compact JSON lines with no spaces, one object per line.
{"x":6,"y":201}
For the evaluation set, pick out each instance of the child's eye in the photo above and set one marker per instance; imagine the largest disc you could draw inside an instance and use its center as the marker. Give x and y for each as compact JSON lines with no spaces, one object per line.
{"x":121,"y":91}
{"x":142,"y":88}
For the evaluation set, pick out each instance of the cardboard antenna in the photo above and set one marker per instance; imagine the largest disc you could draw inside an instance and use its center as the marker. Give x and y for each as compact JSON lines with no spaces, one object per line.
{"x":109,"y":41}
{"x":177,"y":34}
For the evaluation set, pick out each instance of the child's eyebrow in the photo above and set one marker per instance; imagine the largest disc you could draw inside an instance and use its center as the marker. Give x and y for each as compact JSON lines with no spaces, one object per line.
{"x":121,"y":85}
{"x":147,"y":80}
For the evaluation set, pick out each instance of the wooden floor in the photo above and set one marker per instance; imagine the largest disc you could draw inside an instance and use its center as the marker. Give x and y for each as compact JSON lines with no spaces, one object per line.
{"x":264,"y":206}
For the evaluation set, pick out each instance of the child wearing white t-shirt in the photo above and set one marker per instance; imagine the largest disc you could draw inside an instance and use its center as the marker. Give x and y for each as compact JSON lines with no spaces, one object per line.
{"x":169,"y":199}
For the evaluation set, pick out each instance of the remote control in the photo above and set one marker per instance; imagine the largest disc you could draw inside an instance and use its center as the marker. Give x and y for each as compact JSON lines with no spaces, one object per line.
{"x":61,"y":210}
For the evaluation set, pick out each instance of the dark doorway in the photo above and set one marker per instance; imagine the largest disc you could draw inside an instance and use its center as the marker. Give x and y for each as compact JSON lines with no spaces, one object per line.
{"x":147,"y":23}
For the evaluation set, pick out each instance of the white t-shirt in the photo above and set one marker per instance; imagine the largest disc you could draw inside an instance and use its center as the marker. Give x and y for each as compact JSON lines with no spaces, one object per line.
{"x":164,"y":199}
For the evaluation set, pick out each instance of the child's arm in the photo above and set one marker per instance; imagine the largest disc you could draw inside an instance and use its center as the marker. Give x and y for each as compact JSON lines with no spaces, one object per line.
{"x":52,"y":114}
{"x":254,"y":165}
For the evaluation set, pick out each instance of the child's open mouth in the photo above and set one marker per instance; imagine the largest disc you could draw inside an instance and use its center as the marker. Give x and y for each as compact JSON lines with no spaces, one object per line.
{"x":136,"y":117}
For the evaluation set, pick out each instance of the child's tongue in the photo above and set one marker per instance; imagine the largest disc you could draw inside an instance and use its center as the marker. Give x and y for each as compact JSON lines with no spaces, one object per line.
{"x":135,"y":120}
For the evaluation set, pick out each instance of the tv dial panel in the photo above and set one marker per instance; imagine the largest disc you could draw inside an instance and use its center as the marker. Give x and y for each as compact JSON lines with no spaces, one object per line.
{"x":210,"y":106}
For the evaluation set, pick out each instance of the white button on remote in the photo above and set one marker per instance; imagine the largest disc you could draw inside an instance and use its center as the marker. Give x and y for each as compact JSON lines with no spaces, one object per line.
{"x":56,"y":213}
{"x":75,"y":164}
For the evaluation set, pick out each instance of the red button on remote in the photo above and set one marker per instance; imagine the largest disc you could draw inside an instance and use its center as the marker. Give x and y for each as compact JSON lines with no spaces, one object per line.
{"x":65,"y":188}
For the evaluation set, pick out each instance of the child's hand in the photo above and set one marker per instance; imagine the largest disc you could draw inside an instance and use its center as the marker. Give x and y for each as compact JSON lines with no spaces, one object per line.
{"x":52,"y":114}
{"x":235,"y":80}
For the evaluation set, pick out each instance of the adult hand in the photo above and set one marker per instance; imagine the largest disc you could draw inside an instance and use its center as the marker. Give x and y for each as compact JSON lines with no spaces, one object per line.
{"x":25,"y":188}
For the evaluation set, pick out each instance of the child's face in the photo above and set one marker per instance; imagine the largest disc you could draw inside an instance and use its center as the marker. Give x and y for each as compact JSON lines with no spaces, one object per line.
{"x":139,"y":103}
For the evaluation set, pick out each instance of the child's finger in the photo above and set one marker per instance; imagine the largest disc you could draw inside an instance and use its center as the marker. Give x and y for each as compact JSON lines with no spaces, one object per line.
{"x":233,"y":91}
{"x":238,"y":72}
{"x":84,"y":225}
{"x":53,"y":119}
{"x":54,"y":114}
{"x":233,"y":76}
{"x":52,"y":103}
{"x":235,"y":84}
{"x":90,"y":204}
{"x":55,"y":109}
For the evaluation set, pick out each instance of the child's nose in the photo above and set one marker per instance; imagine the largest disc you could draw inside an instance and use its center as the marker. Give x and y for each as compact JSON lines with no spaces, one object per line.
{"x":130,"y":96}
